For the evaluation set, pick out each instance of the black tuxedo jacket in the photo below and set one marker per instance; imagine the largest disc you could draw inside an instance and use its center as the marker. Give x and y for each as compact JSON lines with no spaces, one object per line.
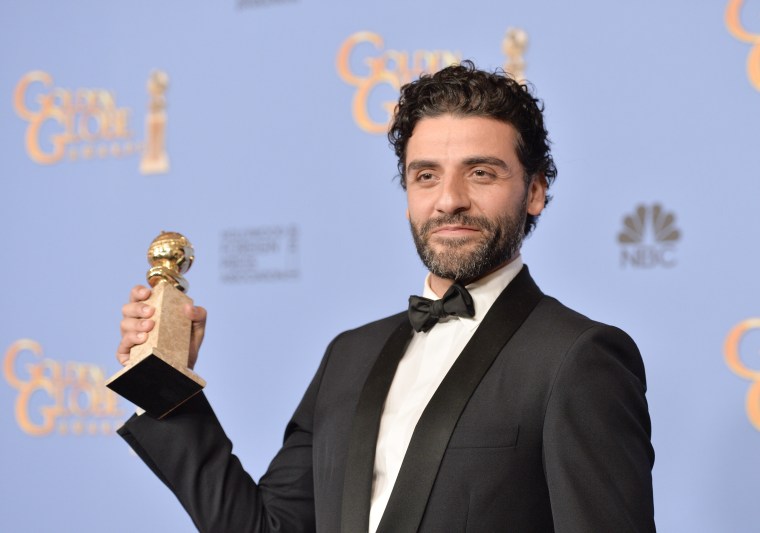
{"x":549,"y":432}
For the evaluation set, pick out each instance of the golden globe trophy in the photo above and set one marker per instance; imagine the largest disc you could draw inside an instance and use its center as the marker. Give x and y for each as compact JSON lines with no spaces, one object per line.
{"x":156,"y":377}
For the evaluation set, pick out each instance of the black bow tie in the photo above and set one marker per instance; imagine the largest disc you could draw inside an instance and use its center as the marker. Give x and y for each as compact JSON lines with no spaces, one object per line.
{"x":425,"y":313}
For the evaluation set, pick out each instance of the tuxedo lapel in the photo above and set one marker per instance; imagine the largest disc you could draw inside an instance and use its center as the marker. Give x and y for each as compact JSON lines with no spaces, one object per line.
{"x":360,"y":463}
{"x":430,"y":439}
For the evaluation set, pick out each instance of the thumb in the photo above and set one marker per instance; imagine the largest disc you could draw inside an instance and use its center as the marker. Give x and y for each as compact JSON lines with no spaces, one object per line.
{"x":197,"y":316}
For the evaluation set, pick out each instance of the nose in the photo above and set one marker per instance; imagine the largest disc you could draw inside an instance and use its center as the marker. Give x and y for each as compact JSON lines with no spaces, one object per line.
{"x":453,"y":196}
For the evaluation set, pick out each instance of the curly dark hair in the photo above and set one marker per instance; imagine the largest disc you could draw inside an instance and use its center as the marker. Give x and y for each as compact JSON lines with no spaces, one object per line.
{"x":464,"y":90}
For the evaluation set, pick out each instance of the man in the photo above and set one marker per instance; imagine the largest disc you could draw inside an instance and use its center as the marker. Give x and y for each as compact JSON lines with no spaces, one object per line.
{"x":502,"y":410}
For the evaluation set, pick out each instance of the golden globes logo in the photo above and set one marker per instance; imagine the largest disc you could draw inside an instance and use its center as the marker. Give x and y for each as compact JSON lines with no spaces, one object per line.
{"x":648,"y":238}
{"x":67,"y":398}
{"x":387,"y":70}
{"x":735,"y":27}
{"x":732,"y":352}
{"x":86,"y":123}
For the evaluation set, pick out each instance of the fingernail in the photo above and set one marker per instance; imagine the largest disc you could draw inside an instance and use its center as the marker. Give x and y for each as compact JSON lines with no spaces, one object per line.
{"x":141,"y":336}
{"x":145,"y":309}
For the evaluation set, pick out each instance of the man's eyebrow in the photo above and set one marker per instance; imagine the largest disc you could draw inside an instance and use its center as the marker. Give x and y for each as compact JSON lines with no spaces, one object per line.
{"x":469,"y":161}
{"x":486,"y":160}
{"x":422,"y":163}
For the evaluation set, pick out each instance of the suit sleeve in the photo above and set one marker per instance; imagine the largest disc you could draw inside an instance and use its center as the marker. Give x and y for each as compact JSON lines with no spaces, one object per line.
{"x":597,"y":452}
{"x":191,"y":454}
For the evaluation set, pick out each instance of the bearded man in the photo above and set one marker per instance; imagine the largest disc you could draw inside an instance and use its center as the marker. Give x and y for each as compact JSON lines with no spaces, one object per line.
{"x":487,"y":406}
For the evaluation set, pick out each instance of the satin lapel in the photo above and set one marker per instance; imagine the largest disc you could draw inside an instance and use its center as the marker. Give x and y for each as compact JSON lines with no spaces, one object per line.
{"x":360,"y":464}
{"x":433,"y":431}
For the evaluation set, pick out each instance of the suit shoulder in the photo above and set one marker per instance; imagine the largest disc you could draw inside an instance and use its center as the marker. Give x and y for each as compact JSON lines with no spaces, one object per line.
{"x":571,"y":322}
{"x":575,"y":337}
{"x":372,"y":332}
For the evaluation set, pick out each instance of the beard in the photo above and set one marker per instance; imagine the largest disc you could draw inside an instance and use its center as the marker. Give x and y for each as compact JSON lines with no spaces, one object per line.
{"x":461,"y":260}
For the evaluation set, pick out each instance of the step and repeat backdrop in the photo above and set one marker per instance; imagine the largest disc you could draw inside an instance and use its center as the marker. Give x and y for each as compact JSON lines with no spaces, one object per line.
{"x":256,"y":129}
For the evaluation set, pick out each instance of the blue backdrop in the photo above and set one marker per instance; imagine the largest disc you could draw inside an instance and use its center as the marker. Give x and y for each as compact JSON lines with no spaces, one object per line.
{"x":252,"y":128}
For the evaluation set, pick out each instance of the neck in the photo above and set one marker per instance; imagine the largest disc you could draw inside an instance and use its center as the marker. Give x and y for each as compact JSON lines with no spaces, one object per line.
{"x":441,"y":285}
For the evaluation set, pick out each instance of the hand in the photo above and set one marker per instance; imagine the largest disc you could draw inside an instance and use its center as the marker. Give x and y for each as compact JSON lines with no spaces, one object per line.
{"x":137,"y":322}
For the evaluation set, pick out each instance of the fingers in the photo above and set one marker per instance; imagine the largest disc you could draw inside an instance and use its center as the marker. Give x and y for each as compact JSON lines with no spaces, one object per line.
{"x":137,"y":310}
{"x":133,"y":331}
{"x":139,"y":293}
{"x":137,"y":328}
{"x":198,"y":316}
{"x":136,"y":322}
{"x":137,"y":317}
{"x":126,"y":344}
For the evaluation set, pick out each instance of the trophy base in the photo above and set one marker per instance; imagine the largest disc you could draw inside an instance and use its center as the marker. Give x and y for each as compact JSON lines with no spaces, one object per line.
{"x":155,"y":385}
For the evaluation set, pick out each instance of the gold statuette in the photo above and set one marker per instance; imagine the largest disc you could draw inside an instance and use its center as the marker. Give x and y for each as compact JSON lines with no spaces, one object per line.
{"x":155,"y":159}
{"x":156,"y":377}
{"x":514,"y":45}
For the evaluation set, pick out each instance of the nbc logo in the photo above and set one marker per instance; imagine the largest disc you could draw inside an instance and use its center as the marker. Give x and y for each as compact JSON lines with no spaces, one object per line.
{"x":648,"y":238}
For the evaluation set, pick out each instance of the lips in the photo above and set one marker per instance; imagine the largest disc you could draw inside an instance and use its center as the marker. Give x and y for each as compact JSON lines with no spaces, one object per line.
{"x":454,"y":231}
{"x":459,"y":225}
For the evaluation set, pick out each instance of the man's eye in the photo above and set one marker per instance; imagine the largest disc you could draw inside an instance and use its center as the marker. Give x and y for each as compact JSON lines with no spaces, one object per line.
{"x":481,"y":173}
{"x":424,"y":176}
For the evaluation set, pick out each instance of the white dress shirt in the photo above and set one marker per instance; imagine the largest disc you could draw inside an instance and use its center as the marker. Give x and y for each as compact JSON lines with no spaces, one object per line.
{"x":426,"y":362}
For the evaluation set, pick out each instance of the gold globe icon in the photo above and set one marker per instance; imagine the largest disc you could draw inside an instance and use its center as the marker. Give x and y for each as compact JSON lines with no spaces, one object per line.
{"x":170,"y":255}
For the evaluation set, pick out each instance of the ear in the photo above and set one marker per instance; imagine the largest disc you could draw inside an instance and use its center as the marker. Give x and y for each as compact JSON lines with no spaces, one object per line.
{"x":537,"y":194}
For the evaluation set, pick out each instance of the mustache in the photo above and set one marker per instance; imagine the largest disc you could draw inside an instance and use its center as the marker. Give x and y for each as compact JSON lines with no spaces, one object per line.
{"x":456,"y":219}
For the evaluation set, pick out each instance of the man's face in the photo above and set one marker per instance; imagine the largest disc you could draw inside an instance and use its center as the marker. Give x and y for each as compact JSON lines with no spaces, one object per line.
{"x":467,"y":196}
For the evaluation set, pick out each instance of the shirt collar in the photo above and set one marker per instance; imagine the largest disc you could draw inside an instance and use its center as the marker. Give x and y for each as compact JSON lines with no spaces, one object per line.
{"x":485,"y":290}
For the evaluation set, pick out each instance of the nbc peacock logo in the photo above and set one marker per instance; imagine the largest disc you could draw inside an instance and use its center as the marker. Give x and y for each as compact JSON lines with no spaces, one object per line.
{"x":649,"y":237}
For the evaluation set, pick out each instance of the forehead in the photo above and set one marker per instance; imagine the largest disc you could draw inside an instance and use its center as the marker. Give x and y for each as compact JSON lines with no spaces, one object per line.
{"x":462,"y":136}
